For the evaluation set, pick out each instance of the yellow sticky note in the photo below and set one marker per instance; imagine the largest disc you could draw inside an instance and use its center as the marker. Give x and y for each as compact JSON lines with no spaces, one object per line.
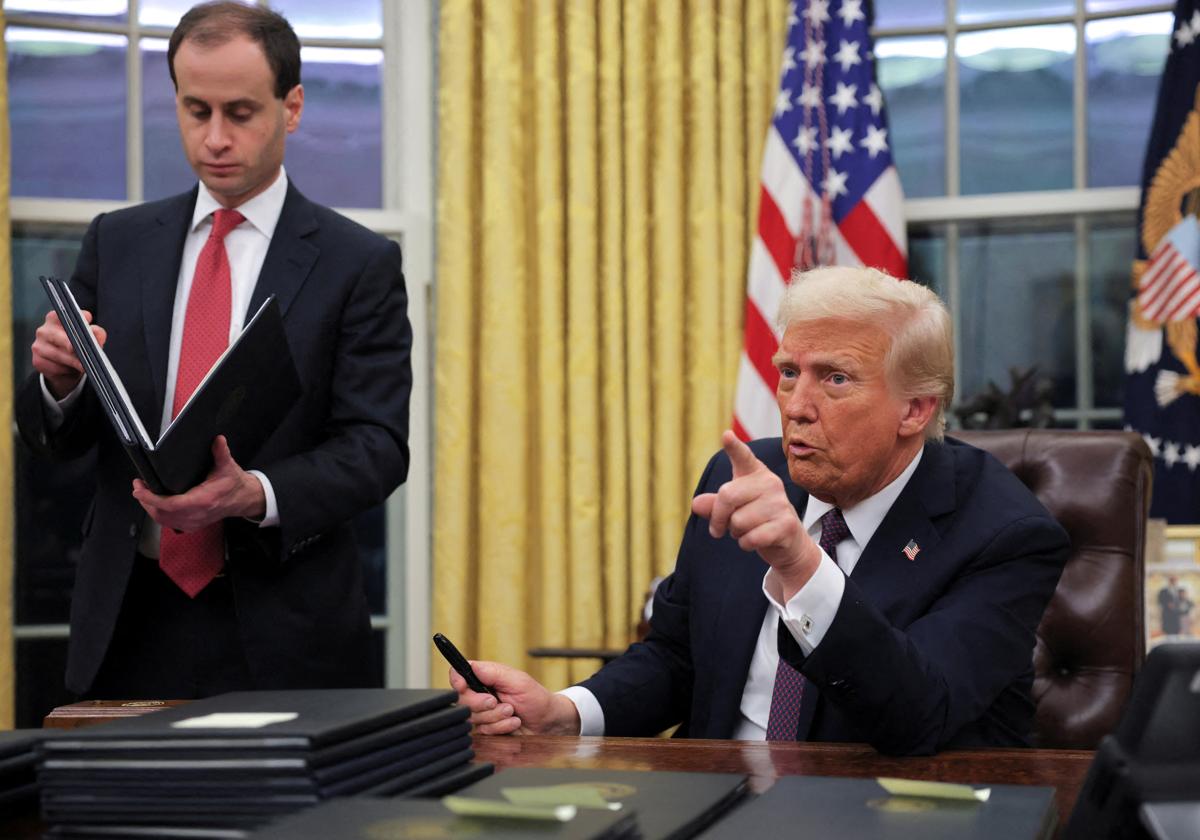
{"x":935,"y":790}
{"x":581,"y":796}
{"x":466,"y":806}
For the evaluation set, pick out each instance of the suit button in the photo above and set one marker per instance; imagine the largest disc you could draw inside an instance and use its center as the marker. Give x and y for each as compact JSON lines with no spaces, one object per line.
{"x":133,"y":530}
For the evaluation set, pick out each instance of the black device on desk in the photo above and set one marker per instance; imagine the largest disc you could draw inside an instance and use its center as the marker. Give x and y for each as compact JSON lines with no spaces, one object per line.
{"x":460,"y":664}
{"x":1154,"y":754}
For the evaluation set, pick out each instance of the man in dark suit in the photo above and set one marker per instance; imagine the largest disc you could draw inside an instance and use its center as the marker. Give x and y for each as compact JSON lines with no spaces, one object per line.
{"x":860,"y":579}
{"x":250,"y":579}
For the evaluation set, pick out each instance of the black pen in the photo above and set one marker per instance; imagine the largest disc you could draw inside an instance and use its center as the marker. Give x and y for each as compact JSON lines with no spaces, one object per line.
{"x":459,"y":663}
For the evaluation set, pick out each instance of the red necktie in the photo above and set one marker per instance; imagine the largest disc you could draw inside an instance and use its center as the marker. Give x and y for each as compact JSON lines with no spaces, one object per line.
{"x":789,"y":683}
{"x":192,"y":560}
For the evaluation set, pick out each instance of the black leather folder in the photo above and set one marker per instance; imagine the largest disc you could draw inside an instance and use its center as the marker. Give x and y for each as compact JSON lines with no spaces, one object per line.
{"x":245,"y":396}
{"x":375,"y":818}
{"x":668,"y":804}
{"x":322,"y":717}
{"x":861,"y":808}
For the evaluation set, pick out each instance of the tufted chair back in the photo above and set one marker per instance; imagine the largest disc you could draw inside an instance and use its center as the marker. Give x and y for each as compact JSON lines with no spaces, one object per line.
{"x":1090,"y":642}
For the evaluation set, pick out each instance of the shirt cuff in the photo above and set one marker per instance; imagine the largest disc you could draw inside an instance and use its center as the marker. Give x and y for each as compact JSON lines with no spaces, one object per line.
{"x":811,"y":610}
{"x":271,"y":517}
{"x":56,"y":410}
{"x":591,"y":716}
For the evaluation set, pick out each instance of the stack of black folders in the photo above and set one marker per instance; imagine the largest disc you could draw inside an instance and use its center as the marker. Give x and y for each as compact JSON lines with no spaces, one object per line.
{"x":862,"y":808}
{"x":651,"y":805}
{"x":19,"y":750}
{"x":245,"y":396}
{"x":226,"y":765}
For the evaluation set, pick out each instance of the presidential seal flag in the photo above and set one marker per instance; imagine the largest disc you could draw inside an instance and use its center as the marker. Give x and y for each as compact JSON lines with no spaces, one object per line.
{"x":1162,"y":388}
{"x":830,"y":194}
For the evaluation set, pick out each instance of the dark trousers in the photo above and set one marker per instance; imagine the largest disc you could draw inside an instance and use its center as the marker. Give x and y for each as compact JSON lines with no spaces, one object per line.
{"x":168,"y":646}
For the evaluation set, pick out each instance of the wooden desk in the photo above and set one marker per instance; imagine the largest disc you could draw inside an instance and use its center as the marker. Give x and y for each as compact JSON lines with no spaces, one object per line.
{"x":1063,"y":770}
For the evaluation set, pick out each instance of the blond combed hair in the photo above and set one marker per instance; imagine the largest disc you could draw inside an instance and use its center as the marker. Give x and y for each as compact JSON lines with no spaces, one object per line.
{"x":920,"y":357}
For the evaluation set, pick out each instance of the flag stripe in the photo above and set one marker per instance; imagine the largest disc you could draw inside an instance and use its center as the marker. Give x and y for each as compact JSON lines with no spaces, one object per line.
{"x":871,"y":242}
{"x":773,"y":232}
{"x":761,"y":345}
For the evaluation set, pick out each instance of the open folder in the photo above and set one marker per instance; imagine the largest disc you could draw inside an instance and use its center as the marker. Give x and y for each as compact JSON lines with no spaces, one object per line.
{"x":245,"y":397}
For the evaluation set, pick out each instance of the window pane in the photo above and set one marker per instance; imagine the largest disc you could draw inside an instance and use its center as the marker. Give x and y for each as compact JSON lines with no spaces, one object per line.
{"x":343,"y":19}
{"x":1114,"y":5}
{"x":335,"y":157}
{"x":165,"y":170}
{"x":892,"y":13}
{"x":41,"y":669}
{"x":984,"y":11}
{"x":1112,"y":245}
{"x":912,"y":75}
{"x":82,"y":11}
{"x":1125,"y":58}
{"x":1017,"y":308}
{"x":927,"y":258}
{"x":50,"y":498}
{"x":66,"y":107}
{"x":162,"y":12}
{"x":1016,"y":103}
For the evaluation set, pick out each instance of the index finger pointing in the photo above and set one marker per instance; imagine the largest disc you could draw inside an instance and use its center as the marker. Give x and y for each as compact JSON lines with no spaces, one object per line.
{"x":740,"y":456}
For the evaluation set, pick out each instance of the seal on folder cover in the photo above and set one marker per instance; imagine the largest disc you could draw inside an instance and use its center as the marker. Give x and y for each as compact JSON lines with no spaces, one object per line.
{"x":244,"y":397}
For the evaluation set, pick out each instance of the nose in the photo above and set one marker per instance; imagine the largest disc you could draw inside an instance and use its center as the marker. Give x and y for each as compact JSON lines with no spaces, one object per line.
{"x":217,"y":136}
{"x":798,"y":403}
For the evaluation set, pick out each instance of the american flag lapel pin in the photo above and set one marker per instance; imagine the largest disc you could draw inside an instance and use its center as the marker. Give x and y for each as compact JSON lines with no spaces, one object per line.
{"x":911,"y":550}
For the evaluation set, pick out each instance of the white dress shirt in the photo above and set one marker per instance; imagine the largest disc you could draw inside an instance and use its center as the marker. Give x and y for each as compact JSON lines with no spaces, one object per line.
{"x":807,"y":615}
{"x":246,"y":246}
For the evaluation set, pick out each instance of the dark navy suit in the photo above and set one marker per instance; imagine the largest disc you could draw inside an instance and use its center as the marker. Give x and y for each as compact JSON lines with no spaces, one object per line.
{"x":302,"y":615}
{"x":923,"y":654}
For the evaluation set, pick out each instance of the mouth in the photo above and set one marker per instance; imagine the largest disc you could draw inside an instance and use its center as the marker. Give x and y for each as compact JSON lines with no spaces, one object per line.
{"x":797,"y":448}
{"x":220,"y":168}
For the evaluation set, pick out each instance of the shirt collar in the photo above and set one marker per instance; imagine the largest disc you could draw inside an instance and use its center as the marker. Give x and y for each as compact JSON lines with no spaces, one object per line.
{"x":262,"y":211}
{"x":865,"y":517}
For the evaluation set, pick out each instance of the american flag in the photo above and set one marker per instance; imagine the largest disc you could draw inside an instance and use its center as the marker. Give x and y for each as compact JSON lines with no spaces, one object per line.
{"x":830,"y":193}
{"x":911,"y":550}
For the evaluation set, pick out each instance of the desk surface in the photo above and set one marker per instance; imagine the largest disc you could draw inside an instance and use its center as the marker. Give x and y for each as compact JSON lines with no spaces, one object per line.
{"x":1063,"y":770}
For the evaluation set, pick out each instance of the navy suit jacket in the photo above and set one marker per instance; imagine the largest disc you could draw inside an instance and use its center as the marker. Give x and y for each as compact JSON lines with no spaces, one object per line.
{"x":922,"y":654}
{"x":301,"y":607}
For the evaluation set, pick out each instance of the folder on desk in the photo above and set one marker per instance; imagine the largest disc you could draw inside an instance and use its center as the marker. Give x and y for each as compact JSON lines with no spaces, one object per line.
{"x":668,"y":804}
{"x":861,"y":808}
{"x":371,"y":819}
{"x":244,"y":397}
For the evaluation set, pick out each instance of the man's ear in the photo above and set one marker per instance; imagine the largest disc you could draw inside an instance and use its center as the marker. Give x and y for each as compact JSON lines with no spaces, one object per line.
{"x":293,"y":106}
{"x":919,"y":412}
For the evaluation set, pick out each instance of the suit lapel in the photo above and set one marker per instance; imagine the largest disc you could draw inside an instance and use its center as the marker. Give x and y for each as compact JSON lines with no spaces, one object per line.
{"x":160,"y":257}
{"x":290,"y":256}
{"x":884,"y":573}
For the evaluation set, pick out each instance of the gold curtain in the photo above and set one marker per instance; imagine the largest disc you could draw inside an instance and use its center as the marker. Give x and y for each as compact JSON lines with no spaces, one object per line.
{"x":597,"y":188}
{"x":7,"y":675}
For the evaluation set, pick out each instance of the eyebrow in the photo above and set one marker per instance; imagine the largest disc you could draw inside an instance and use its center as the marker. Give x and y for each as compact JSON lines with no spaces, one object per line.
{"x":830,"y":362}
{"x":237,"y":103}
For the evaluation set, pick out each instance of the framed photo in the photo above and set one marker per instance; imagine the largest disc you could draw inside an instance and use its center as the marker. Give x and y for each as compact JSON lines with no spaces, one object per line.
{"x":1172,"y":586}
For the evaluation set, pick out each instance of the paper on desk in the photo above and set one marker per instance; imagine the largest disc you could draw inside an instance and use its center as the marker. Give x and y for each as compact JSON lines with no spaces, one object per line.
{"x":235,"y":720}
{"x":936,"y":790}
{"x":579,"y":795}
{"x":467,"y":806}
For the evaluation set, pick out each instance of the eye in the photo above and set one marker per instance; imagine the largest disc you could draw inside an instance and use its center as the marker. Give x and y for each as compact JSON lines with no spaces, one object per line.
{"x":839,"y":378}
{"x":786,"y":372}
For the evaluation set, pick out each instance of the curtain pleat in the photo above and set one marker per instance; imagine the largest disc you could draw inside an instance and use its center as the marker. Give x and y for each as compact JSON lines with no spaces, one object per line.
{"x":596,"y":186}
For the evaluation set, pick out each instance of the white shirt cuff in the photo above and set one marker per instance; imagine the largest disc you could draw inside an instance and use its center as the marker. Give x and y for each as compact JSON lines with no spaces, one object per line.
{"x":271,"y":517}
{"x":811,"y":610}
{"x":591,"y":716}
{"x":56,"y":410}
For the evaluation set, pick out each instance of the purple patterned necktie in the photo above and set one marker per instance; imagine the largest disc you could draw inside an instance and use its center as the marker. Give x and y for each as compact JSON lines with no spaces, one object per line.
{"x":789,"y":683}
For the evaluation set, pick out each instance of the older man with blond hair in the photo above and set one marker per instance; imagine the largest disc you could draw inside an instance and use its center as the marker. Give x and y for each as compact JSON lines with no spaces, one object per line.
{"x":861,"y":578}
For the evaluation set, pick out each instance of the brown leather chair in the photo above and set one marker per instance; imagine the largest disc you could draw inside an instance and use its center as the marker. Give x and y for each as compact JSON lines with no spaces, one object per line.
{"x":1091,"y":640}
